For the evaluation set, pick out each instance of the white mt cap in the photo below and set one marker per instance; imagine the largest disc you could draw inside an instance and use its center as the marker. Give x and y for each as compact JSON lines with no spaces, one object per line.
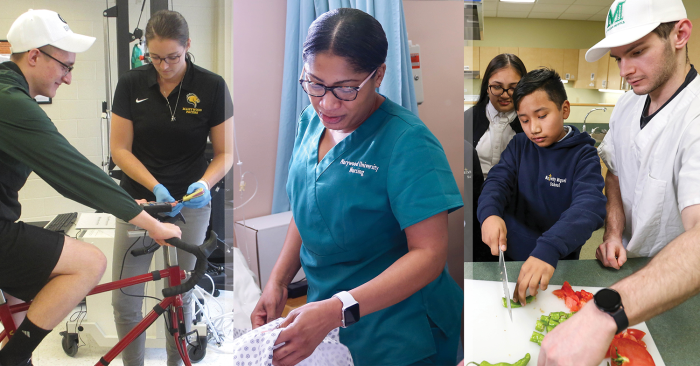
{"x":37,"y":28}
{"x":630,"y":20}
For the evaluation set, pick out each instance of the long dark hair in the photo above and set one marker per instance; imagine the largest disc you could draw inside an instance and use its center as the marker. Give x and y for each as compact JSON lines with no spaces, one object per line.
{"x":168,"y":24}
{"x":348,"y":33}
{"x":499,"y":62}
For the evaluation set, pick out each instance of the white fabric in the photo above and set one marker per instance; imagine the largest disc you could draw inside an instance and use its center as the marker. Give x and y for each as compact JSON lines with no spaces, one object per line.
{"x":658,"y":167}
{"x":629,"y":21}
{"x":496,"y":138}
{"x":245,"y":292}
{"x":255,"y":348}
{"x":569,"y":131}
{"x":37,"y":28}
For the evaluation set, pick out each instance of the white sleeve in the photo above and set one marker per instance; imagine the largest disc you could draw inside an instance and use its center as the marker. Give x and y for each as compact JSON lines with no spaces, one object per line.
{"x":688,"y":166}
{"x":606,"y":149}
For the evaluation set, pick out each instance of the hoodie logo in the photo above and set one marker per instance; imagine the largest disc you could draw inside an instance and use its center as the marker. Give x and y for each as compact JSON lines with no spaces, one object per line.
{"x":554,"y":181}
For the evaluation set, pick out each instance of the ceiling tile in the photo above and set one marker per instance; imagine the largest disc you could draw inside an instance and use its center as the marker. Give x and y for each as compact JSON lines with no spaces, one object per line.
{"x":512,"y":14}
{"x":550,"y":8}
{"x":584,"y":9}
{"x":598,"y":17}
{"x":490,"y":6}
{"x":564,"y":2}
{"x":605,"y":3}
{"x":538,"y":15}
{"x":574,"y":16}
{"x":513,"y":7}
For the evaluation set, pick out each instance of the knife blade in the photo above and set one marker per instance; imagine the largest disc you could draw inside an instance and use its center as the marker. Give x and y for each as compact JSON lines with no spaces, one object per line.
{"x":504,"y":279}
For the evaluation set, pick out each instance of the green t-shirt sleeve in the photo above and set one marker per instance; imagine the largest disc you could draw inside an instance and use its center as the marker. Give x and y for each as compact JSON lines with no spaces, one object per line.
{"x":30,"y":137}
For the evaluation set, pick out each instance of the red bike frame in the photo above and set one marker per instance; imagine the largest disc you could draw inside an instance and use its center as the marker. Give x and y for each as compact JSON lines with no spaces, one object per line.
{"x":175,"y":276}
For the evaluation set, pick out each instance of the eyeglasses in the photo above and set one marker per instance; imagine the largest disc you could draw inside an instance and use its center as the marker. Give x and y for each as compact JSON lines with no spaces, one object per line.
{"x":498,"y":90}
{"x":168,"y":60}
{"x":346,"y":93}
{"x":68,"y":68}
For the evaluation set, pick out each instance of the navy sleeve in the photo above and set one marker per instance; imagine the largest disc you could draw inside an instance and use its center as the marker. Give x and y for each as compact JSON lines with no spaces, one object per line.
{"x":121,"y":105}
{"x":585,"y":215}
{"x":499,"y":185}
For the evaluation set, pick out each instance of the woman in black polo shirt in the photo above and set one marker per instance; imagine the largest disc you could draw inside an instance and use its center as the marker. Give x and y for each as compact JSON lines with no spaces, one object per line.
{"x":163,"y":113}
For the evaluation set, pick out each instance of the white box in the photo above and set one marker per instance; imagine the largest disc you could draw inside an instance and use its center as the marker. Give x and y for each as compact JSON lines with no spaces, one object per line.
{"x":260,"y":240}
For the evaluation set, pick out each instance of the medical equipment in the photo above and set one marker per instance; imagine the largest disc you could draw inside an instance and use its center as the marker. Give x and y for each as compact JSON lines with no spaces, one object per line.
{"x":417,"y":72}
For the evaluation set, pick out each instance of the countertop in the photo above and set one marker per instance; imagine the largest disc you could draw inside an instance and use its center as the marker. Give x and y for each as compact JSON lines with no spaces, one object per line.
{"x":675,"y":332}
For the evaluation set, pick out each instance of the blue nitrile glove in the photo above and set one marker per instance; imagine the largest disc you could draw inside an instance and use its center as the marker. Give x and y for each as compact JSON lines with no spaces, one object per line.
{"x":163,"y":195}
{"x":201,"y":201}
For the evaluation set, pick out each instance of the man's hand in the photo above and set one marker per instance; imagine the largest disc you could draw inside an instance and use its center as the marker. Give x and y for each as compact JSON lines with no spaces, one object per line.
{"x":493,"y":233}
{"x":304,"y":330}
{"x":582,"y":340}
{"x":534,"y":272}
{"x":611,"y":253}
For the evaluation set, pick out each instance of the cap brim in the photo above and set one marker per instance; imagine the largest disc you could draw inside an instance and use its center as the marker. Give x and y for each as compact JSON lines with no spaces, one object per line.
{"x":75,"y":43}
{"x":617,"y":39}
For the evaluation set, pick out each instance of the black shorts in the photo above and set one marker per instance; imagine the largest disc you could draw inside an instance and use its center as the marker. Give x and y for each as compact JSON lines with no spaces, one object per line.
{"x":28,"y":255}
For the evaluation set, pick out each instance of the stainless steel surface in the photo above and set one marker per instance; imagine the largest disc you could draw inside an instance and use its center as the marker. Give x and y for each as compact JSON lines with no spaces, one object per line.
{"x":604,"y":109}
{"x":504,"y":279}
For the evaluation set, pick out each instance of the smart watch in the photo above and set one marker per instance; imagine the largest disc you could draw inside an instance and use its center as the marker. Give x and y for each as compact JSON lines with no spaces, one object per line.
{"x":609,"y":301}
{"x":351,"y":309}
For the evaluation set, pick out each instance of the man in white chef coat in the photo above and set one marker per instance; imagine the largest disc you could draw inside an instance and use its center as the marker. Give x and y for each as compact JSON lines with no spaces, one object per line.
{"x":652,"y":152}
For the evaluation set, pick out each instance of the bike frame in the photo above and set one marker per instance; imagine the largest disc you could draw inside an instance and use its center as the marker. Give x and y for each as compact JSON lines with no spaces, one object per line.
{"x":175,"y":276}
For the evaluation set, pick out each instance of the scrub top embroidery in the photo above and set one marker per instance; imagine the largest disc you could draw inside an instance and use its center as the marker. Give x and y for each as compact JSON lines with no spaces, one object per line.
{"x":351,"y":209}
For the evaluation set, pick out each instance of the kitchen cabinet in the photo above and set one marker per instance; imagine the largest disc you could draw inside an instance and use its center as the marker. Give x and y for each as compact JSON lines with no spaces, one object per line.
{"x":615,"y":81}
{"x":486,"y":54}
{"x":570,"y":67}
{"x":531,"y":57}
{"x":592,"y":75}
{"x":553,"y":58}
{"x":471,"y":58}
{"x":513,"y":50}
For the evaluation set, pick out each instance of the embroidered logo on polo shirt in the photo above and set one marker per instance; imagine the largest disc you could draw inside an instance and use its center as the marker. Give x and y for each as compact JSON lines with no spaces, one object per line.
{"x":193,"y":99}
{"x":358,"y":167}
{"x":554,"y":181}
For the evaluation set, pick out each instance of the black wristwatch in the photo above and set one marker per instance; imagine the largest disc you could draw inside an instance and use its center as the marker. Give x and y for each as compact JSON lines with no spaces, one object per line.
{"x":609,"y":301}
{"x":351,"y":308}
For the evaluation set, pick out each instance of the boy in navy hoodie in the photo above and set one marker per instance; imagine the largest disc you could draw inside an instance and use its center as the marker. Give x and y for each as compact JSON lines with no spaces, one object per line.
{"x":544,"y":199}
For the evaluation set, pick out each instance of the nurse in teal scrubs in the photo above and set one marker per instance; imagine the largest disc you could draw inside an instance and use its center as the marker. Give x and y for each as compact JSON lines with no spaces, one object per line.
{"x":370,"y":189}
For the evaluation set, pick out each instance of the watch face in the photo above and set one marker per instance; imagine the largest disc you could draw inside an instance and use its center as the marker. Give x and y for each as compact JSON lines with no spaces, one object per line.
{"x":607,"y":299}
{"x":352,"y":314}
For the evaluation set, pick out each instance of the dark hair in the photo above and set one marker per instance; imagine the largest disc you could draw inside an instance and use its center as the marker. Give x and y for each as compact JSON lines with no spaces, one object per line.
{"x":543,"y":79}
{"x":349,"y":33}
{"x":499,"y":62}
{"x":168,"y":24}
{"x":664,"y":31}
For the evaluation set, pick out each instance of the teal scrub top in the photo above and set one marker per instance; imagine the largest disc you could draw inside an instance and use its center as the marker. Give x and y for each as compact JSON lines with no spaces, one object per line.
{"x":351,"y":209}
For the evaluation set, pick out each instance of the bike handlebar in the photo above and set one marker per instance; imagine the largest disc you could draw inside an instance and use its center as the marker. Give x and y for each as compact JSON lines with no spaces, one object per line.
{"x":202,"y":253}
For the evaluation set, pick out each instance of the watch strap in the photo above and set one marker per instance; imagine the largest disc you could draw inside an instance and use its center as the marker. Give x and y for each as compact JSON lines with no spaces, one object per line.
{"x":620,"y":319}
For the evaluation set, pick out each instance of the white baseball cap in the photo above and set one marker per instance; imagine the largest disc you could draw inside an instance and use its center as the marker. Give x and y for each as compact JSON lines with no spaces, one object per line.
{"x":630,"y":20}
{"x":37,"y":28}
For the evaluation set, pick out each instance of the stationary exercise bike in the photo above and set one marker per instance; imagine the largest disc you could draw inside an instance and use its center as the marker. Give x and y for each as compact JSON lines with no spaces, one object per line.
{"x":171,"y":305}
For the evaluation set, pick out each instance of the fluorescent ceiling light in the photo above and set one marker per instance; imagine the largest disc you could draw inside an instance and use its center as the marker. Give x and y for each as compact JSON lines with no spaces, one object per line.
{"x":612,"y":91}
{"x":517,"y":1}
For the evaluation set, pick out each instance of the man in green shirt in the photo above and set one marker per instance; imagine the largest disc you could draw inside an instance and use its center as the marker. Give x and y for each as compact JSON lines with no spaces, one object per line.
{"x":53,"y":270}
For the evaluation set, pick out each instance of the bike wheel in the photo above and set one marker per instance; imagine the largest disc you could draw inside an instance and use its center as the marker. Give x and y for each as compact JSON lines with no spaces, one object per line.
{"x":196,"y":352}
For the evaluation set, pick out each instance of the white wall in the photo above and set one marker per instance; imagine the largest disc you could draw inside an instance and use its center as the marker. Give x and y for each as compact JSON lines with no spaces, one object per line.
{"x":76,"y":108}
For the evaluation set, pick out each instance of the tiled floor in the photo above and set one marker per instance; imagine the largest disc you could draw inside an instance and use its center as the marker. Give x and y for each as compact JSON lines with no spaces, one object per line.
{"x":50,"y":352}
